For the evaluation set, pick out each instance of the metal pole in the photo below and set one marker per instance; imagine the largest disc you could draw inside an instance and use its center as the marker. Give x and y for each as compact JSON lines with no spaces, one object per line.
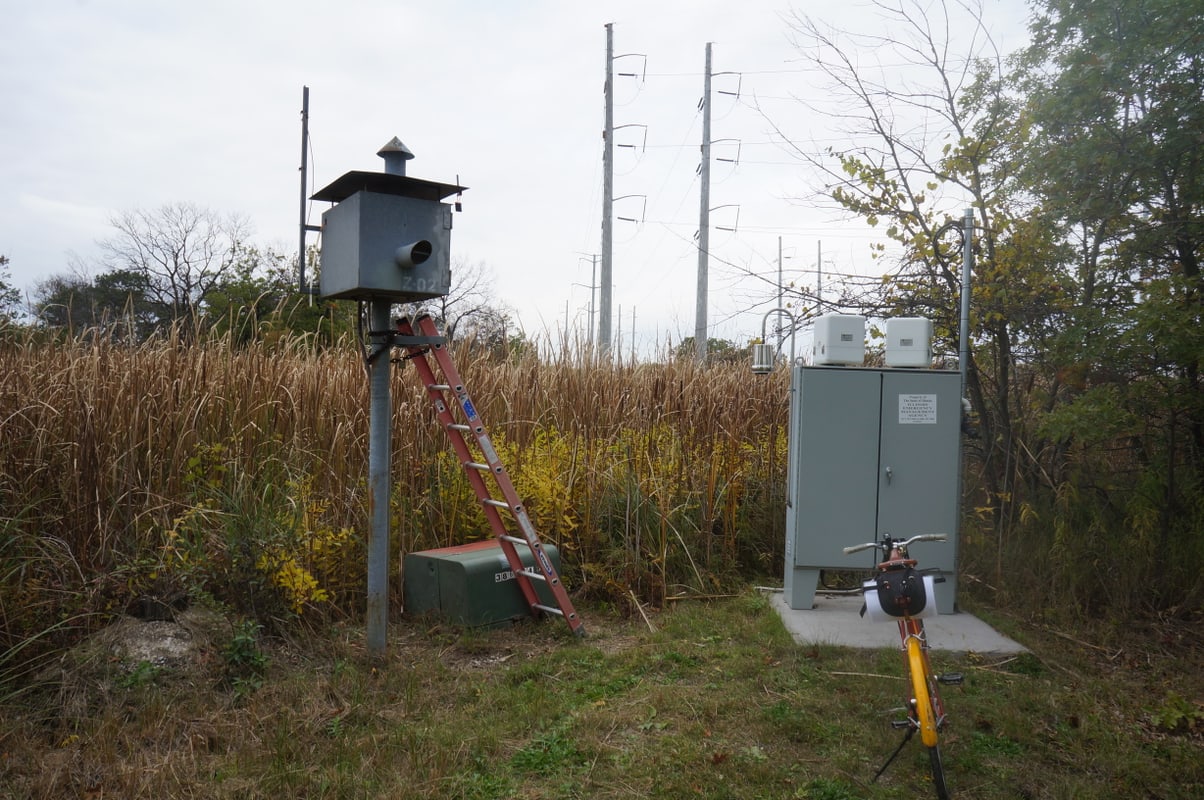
{"x":967,"y":261}
{"x":704,"y":221}
{"x":379,"y":445}
{"x":963,"y":365}
{"x":765,"y":355}
{"x":304,"y":182}
{"x":781,"y":333}
{"x":619,"y":334}
{"x":819,"y":277}
{"x":593,"y":291}
{"x":608,"y":175}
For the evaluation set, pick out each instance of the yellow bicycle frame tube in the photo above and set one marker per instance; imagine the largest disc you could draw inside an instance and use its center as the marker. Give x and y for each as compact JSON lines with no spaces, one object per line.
{"x":919,"y":686}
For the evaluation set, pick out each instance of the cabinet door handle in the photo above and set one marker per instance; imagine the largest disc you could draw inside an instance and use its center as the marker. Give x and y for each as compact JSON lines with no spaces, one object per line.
{"x":889,"y":474}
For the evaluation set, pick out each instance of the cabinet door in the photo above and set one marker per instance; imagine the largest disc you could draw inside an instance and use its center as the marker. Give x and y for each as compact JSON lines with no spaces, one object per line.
{"x":836,"y":468}
{"x":918,"y":462}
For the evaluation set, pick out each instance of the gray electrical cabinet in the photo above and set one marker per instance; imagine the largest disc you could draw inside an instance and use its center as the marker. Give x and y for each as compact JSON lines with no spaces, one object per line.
{"x":872,"y":451}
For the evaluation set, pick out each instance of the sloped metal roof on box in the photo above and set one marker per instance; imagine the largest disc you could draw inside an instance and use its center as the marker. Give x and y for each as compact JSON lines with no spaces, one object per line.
{"x":386,"y":183}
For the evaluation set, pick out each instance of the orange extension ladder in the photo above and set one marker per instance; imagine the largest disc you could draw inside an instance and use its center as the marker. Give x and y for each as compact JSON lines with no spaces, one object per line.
{"x":434,"y":345}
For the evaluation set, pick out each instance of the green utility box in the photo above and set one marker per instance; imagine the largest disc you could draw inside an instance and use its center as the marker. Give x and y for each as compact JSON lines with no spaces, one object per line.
{"x":471,"y":584}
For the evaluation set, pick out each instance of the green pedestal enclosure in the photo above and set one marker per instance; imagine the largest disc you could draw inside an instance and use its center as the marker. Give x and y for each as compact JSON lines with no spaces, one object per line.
{"x":471,"y":584}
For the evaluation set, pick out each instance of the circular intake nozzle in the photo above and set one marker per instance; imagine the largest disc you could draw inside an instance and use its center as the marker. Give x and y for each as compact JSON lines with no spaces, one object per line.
{"x":413,"y":254}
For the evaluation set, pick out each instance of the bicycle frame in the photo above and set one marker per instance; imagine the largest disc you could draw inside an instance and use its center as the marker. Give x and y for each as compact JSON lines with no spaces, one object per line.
{"x":925,"y":709}
{"x":928,"y":712}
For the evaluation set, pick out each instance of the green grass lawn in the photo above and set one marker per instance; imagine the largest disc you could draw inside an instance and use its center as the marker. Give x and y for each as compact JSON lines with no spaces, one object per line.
{"x":716,"y":702}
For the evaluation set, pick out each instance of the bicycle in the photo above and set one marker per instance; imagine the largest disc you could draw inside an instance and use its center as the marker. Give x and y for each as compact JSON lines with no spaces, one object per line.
{"x":900,"y":593}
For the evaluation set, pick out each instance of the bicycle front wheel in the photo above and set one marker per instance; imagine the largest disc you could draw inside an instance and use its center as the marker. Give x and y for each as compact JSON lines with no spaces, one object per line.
{"x":938,"y":773}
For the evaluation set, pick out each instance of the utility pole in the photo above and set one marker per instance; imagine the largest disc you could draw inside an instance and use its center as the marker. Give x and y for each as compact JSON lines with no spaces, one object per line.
{"x":619,"y":334}
{"x":633,"y":334}
{"x":779,"y":272}
{"x":301,"y":284}
{"x":781,"y":332}
{"x":819,"y":277}
{"x":593,"y":288}
{"x":608,"y":191}
{"x":305,"y":228}
{"x":704,"y":221}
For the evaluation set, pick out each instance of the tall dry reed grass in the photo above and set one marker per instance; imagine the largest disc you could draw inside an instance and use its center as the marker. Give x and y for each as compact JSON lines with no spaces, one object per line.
{"x":649,"y":476}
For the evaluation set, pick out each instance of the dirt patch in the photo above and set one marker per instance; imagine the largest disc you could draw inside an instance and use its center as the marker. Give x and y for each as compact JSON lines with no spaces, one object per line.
{"x":130,"y":652}
{"x":187,"y":642}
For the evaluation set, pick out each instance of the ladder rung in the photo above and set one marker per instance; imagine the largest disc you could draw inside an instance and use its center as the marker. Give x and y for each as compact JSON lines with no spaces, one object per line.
{"x":489,"y":501}
{"x":456,"y":426}
{"x":514,"y":540}
{"x":530,"y":573}
{"x":549,"y":609}
{"x":477,"y":465}
{"x":442,"y":387}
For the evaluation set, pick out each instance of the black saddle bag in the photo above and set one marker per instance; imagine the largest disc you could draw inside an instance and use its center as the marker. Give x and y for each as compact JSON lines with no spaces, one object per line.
{"x":901,"y":592}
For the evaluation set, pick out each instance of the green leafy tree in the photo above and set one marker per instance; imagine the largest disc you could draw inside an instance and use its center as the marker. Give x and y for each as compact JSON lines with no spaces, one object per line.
{"x":719,"y":351}
{"x":1117,"y":109}
{"x":10,"y":297}
{"x":114,"y":302}
{"x":258,"y":298}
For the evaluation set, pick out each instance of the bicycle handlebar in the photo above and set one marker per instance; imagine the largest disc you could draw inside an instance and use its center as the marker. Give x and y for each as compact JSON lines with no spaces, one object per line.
{"x":888,"y":543}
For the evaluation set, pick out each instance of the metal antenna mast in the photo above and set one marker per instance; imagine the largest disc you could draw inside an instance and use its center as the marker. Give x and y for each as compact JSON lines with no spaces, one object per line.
{"x":704,"y":222}
{"x":305,"y":227}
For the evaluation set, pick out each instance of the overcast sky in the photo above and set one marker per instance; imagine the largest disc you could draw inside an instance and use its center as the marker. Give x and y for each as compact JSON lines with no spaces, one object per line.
{"x":119,"y":105}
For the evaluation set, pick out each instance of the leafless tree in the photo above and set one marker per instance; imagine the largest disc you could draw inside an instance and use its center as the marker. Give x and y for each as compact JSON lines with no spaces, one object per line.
{"x":470,"y":306}
{"x":922,"y":108}
{"x":183,"y":252}
{"x":922,"y":114}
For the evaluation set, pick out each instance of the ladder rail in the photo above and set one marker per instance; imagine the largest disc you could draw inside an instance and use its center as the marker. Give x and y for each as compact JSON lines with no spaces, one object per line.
{"x":475,"y":479}
{"x":452,"y":384}
{"x":426,"y":326}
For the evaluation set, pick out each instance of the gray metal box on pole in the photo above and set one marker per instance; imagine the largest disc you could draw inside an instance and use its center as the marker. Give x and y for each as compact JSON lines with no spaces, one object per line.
{"x":387,"y":238}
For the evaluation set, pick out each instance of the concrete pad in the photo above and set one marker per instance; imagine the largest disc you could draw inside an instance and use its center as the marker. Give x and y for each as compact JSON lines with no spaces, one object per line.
{"x":835,"y":619}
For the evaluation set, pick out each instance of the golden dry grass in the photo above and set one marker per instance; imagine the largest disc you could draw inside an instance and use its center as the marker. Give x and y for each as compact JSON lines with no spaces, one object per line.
{"x":643,"y":471}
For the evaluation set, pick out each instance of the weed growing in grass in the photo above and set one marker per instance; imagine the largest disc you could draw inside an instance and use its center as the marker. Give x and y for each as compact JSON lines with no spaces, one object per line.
{"x":307,"y":562}
{"x":551,"y":752}
{"x":1178,"y":715}
{"x":827,"y":789}
{"x":245,"y":663}
{"x":478,"y":785}
{"x":143,"y":673}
